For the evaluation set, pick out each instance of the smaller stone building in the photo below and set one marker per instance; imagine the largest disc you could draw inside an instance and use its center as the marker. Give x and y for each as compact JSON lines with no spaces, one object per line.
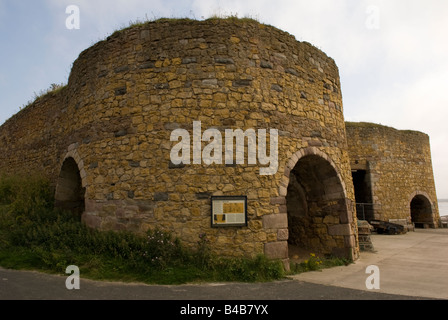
{"x":392,"y":174}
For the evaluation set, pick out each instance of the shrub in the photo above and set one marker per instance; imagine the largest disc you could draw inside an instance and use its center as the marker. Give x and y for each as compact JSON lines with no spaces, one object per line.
{"x":161,"y":250}
{"x":254,"y":269}
{"x":203,"y":255}
{"x":34,"y":235}
{"x":26,"y":194}
{"x":314,"y":263}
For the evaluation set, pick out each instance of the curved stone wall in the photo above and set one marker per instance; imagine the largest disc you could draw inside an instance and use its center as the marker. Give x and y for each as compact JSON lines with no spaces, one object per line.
{"x":126,"y":97}
{"x":397,"y":173}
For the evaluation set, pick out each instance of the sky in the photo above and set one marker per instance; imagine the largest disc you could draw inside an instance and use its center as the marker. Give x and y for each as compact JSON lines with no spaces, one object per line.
{"x":391,"y":54}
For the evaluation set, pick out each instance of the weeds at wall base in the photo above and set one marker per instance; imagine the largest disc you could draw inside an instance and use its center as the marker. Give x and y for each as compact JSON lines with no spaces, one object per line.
{"x":35,"y":236}
{"x":315,"y":263}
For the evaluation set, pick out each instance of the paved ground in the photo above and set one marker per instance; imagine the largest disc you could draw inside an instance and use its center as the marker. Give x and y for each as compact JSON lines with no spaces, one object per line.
{"x":412,"y":266}
{"x":19,"y":285}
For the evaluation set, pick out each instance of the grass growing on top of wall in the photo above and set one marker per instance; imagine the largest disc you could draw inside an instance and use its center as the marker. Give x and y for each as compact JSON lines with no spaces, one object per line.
{"x":35,"y":236}
{"x":215,"y":17}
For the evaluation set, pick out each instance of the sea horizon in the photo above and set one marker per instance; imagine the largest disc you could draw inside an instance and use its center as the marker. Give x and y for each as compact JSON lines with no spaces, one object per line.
{"x":443,"y":207}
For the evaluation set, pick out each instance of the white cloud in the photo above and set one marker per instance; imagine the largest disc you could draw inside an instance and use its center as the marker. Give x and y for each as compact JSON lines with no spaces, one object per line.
{"x":105,"y":16}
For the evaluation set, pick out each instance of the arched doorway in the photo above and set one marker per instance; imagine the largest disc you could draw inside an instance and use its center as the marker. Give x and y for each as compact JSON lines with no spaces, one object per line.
{"x":421,"y":212}
{"x":69,"y":191}
{"x":317,"y":208}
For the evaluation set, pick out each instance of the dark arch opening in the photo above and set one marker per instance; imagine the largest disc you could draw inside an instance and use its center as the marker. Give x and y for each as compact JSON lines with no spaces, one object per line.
{"x":69,"y":191}
{"x":315,"y":203}
{"x":421,"y":212}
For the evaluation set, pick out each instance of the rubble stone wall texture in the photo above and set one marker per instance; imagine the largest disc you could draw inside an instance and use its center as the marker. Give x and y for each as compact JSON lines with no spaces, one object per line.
{"x":125,"y":96}
{"x":399,"y":168}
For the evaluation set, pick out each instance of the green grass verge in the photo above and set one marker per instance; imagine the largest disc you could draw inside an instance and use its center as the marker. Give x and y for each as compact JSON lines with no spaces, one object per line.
{"x":35,"y":236}
{"x":156,"y":258}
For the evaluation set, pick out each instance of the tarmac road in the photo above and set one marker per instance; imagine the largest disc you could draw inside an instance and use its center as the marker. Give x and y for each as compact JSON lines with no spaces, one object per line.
{"x":29,"y":285}
{"x":412,"y":266}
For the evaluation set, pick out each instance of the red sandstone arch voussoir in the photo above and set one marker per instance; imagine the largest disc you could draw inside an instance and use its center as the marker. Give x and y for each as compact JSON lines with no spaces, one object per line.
{"x":72,"y":152}
{"x":308,"y":151}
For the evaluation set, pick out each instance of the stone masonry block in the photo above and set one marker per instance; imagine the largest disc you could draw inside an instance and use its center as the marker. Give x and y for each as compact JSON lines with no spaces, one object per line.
{"x":278,"y":200}
{"x":340,"y":230}
{"x":282,"y":234}
{"x":349,"y":241}
{"x":275,"y":221}
{"x":276,"y":250}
